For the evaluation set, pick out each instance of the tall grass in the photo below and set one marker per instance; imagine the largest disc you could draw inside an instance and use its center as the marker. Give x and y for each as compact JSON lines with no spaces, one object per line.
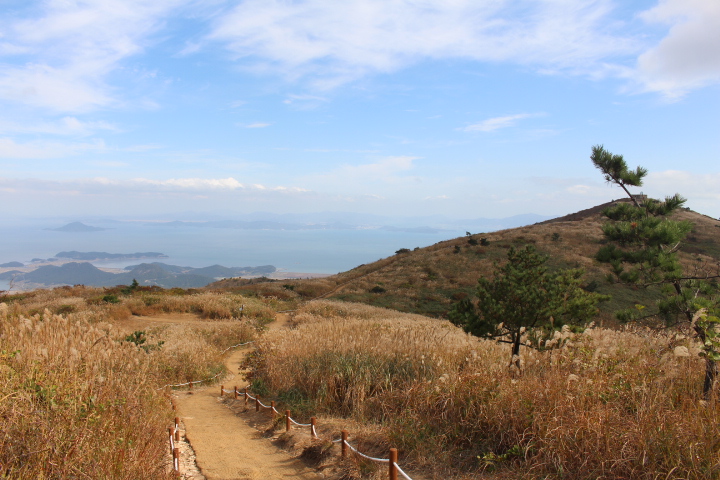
{"x":79,"y":400}
{"x":75,"y":403}
{"x":608,"y":404}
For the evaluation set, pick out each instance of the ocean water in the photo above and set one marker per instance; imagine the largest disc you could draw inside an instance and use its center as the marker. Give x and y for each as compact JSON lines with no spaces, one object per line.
{"x":305,"y":251}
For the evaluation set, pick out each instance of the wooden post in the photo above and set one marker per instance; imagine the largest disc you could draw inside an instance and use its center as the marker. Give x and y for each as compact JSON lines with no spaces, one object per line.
{"x":393,"y":460}
{"x":272,"y":409}
{"x":287,"y":420}
{"x":191,"y":385}
{"x":235,"y":392}
{"x":343,"y":444}
{"x":171,"y":432}
{"x":313,"y":423}
{"x":176,"y":459}
{"x":257,"y":403}
{"x":222,"y":390}
{"x":177,"y":435}
{"x":177,"y":423}
{"x":246,"y":396}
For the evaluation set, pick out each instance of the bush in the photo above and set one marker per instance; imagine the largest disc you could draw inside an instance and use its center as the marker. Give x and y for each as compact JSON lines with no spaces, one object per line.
{"x":377,"y":289}
{"x":402,"y":250}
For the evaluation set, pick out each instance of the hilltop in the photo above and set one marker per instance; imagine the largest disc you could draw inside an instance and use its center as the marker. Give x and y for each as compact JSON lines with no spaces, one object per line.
{"x":429,"y":280}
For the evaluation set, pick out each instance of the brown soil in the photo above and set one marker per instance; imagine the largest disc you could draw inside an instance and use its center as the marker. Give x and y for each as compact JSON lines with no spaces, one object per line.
{"x":225,"y":445}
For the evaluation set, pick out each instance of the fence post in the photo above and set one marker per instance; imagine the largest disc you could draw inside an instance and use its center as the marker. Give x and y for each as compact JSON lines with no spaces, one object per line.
{"x":177,"y":435}
{"x":177,"y":423}
{"x":246,"y":396}
{"x":313,"y":422}
{"x":272,"y":409}
{"x":191,"y":383}
{"x":171,"y":432}
{"x":287,"y":420}
{"x":393,"y":461}
{"x":343,"y":443}
{"x":222,"y":390}
{"x":235,"y":392}
{"x":176,"y":459}
{"x":257,"y":403}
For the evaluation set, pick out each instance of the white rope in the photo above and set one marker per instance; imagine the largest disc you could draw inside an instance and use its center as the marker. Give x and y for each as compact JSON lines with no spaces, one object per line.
{"x":314,"y":433}
{"x":228,"y":391}
{"x":338,"y":440}
{"x":176,"y":464}
{"x":172,"y":443}
{"x":300,"y":424}
{"x":380,"y":460}
{"x":262,"y":404}
{"x":401,"y":471}
{"x":188,"y":383}
{"x":276,"y":411}
{"x":238,"y":345}
{"x":251,"y":397}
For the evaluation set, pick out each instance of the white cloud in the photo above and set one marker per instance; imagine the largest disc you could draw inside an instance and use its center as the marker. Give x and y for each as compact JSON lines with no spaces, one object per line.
{"x":696,"y":187}
{"x":193,"y":183}
{"x":496,"y":123}
{"x":336,"y":42}
{"x":9,"y":148}
{"x":689,"y":56}
{"x":256,"y":125}
{"x":63,"y":126}
{"x":74,"y":46}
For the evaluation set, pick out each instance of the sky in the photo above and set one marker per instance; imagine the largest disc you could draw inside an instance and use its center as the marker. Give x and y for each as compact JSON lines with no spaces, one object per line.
{"x":462,"y":108}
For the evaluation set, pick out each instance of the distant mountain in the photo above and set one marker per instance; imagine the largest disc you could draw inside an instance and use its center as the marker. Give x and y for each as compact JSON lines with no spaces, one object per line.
{"x":214,"y":271}
{"x":11,"y":265}
{"x":76,"y":227}
{"x":167,"y":276}
{"x":108,"y":256}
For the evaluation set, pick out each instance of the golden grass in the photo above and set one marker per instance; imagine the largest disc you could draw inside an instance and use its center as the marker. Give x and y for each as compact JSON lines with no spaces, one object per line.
{"x":79,"y":401}
{"x":75,"y":403}
{"x":609,"y":404}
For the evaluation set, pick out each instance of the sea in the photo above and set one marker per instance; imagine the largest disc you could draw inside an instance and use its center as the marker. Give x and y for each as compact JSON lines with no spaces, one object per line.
{"x":301,"y":251}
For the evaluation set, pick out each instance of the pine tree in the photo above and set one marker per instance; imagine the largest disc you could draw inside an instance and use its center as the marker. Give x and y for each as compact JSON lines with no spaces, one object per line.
{"x":642,"y":249}
{"x":524,"y":297}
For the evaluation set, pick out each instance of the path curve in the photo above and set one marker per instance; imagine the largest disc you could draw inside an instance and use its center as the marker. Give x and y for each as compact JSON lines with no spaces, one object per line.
{"x":226,"y":447}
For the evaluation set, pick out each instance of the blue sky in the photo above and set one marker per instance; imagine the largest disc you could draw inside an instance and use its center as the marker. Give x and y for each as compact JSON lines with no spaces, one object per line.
{"x":464,"y":108}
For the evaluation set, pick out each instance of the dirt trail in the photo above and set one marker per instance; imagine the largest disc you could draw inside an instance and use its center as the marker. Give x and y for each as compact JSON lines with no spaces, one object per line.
{"x":226,"y":446}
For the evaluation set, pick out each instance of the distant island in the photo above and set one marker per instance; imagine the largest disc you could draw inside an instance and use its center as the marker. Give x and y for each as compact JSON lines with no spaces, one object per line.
{"x":147,"y":274}
{"x":73,"y":255}
{"x":76,"y":227}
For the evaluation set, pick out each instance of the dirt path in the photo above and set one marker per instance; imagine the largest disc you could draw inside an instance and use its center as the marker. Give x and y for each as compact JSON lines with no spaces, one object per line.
{"x":226,"y":446}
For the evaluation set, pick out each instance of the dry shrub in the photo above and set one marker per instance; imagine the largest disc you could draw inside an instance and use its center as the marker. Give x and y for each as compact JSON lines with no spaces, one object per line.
{"x":75,"y":403}
{"x":608,"y":404}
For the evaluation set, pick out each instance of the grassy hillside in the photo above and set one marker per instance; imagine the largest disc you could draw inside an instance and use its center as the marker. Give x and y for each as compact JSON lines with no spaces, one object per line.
{"x":429,"y":280}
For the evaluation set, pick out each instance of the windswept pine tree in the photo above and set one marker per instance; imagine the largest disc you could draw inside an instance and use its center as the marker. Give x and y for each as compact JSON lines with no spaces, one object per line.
{"x":642,"y":247}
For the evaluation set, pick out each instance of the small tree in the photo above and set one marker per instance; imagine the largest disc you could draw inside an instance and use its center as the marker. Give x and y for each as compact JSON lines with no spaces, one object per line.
{"x":524,"y":296}
{"x":643,"y":250}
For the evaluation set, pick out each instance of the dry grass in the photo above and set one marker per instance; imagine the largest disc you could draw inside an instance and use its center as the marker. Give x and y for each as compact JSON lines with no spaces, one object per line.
{"x":75,"y":403}
{"x":609,"y":404}
{"x":79,"y":401}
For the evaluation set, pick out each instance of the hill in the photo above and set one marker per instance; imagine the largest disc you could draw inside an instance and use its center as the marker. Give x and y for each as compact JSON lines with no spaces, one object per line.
{"x":147,"y":274}
{"x":77,"y":227}
{"x":429,"y":280}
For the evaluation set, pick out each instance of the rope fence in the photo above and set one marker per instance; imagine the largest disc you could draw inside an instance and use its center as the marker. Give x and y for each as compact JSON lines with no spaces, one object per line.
{"x":174,"y":431}
{"x":393,"y":467}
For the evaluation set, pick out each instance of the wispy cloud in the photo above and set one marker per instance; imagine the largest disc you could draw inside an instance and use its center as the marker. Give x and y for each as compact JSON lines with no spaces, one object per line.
{"x":689,"y":56}
{"x":74,"y":46}
{"x":9,"y":148}
{"x":496,"y":123}
{"x":256,"y":125}
{"x":336,"y":42}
